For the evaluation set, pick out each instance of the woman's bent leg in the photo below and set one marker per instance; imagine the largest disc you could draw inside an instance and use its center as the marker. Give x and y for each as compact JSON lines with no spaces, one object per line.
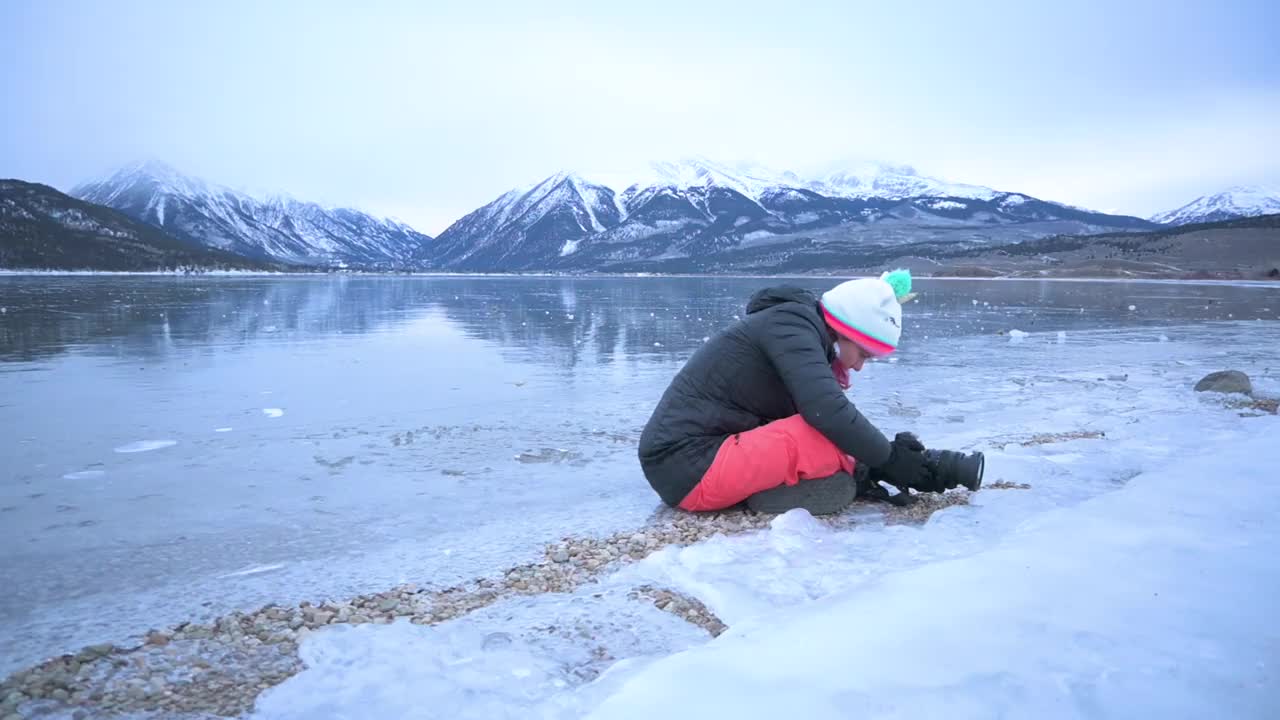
{"x":784,"y":452}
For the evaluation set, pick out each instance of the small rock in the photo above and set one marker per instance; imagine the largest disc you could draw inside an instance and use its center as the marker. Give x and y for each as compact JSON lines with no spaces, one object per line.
{"x":560,"y":556}
{"x":79,"y":715}
{"x":1225,"y":381}
{"x":388,"y":604}
{"x":60,"y":694}
{"x":155,"y":637}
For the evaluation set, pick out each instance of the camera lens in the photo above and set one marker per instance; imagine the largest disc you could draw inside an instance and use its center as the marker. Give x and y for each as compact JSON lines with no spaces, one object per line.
{"x":954,"y":469}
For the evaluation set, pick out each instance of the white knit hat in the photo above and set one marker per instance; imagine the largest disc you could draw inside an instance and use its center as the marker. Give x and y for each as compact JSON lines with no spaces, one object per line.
{"x":868,"y":311}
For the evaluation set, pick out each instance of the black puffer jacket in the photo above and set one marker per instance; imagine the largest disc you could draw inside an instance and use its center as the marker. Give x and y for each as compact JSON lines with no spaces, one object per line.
{"x":772,"y":364}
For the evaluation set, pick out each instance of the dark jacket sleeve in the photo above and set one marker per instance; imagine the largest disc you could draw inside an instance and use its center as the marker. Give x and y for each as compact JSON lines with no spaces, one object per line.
{"x":794,"y":346}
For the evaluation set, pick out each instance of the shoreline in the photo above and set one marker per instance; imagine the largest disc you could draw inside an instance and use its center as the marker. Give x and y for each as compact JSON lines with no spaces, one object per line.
{"x":1174,"y":279}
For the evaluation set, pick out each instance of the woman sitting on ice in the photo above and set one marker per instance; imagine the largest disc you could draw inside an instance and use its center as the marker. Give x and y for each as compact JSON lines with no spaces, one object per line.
{"x":759,"y":413}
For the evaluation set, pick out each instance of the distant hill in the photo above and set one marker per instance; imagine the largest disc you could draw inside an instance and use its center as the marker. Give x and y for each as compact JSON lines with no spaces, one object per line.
{"x":41,"y":228}
{"x":1244,"y":248}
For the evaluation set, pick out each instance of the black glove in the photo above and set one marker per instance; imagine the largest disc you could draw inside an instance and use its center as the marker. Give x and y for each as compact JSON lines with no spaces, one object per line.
{"x":905,"y":467}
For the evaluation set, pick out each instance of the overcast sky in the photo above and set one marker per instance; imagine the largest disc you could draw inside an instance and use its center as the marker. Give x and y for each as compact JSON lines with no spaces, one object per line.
{"x":427,"y":110}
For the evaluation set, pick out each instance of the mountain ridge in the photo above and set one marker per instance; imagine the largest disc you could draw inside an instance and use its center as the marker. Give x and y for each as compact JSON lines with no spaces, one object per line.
{"x":697,"y":208}
{"x":1234,"y":202}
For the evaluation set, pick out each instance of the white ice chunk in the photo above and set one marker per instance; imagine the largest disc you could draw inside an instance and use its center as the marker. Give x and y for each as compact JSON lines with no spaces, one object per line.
{"x":253,"y":570}
{"x":272,"y":412}
{"x":84,"y":475}
{"x":145,"y":446}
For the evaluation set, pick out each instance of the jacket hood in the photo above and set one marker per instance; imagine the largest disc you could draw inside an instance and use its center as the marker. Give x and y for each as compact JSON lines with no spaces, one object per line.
{"x":771,"y":296}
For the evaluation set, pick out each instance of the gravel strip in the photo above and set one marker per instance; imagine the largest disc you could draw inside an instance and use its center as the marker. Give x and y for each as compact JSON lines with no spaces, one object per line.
{"x":1006,"y":485}
{"x":689,"y":609}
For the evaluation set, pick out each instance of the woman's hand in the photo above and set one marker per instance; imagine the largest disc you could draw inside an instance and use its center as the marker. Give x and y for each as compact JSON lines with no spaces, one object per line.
{"x":905,"y":467}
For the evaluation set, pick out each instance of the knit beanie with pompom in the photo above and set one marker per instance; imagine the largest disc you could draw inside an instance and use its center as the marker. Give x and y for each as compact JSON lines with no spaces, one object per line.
{"x":868,"y":311}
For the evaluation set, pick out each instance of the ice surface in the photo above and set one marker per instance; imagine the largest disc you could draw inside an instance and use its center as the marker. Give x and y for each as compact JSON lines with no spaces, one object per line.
{"x":399,"y":462}
{"x":84,"y":475}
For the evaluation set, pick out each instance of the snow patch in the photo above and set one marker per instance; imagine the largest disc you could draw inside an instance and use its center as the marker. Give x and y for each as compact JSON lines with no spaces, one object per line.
{"x":980,"y":638}
{"x":273,"y":412}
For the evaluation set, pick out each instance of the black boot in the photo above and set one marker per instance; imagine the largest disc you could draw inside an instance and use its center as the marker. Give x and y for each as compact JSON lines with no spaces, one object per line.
{"x":820,"y":496}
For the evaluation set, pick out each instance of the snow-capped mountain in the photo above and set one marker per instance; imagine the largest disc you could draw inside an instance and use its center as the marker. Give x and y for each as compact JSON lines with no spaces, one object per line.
{"x":41,"y":228}
{"x":274,"y":228}
{"x":700,"y":209}
{"x":1236,"y":202}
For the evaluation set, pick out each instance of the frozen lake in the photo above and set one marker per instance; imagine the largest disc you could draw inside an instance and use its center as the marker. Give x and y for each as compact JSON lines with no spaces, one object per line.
{"x":175,"y":448}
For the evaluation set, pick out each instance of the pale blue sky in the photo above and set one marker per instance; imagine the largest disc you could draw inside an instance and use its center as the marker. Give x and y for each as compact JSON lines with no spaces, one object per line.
{"x":427,"y":110}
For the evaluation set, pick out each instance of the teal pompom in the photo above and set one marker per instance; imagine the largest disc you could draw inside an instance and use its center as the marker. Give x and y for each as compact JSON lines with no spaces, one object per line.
{"x":900,"y":281}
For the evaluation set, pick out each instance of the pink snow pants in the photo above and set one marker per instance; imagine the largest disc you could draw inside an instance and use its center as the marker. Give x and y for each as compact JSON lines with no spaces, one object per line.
{"x":786,"y":451}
